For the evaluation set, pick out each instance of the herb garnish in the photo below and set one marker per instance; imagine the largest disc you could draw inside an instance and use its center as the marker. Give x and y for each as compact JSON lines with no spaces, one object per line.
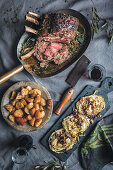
{"x":26,"y":43}
{"x":97,"y":21}
{"x":50,"y":165}
{"x":44,"y":69}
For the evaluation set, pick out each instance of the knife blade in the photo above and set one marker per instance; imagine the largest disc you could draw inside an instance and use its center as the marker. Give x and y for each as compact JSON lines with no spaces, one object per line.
{"x":72,"y":79}
{"x":78,"y":71}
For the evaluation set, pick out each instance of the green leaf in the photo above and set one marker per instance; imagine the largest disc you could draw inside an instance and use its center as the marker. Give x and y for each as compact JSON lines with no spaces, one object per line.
{"x":91,"y":140}
{"x":110,"y":39}
{"x":49,"y":162}
{"x":95,"y":27}
{"x":109,"y":125}
{"x":104,"y":26}
{"x":84,"y":151}
{"x":57,"y":167}
{"x":96,"y":146}
{"x":109,"y":136}
{"x":26,"y":43}
{"x":105,"y":129}
{"x":65,"y":167}
{"x":36,"y":167}
{"x":45,"y":69}
{"x":95,"y":24}
{"x":44,"y":167}
{"x":99,"y":137}
{"x":95,"y":16}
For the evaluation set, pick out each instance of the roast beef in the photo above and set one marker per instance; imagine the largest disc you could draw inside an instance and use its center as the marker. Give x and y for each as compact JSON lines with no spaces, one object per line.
{"x":56,"y":34}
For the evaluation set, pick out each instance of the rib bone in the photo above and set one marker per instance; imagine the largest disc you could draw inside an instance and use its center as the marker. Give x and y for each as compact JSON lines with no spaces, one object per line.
{"x":34,"y":14}
{"x":27,"y":55}
{"x":29,"y":29}
{"x":28,"y":18}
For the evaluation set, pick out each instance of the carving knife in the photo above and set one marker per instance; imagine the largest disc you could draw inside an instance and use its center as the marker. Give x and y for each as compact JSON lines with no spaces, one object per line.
{"x":72,"y":79}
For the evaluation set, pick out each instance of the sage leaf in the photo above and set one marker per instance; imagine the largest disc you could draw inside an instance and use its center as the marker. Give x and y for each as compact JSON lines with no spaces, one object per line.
{"x":49,"y":162}
{"x":104,"y":26}
{"x":96,"y":20}
{"x":95,"y":16}
{"x":94,"y":27}
{"x":57,"y":166}
{"x":110,"y":39}
{"x":110,"y":36}
{"x":64,"y":167}
{"x":44,"y":167}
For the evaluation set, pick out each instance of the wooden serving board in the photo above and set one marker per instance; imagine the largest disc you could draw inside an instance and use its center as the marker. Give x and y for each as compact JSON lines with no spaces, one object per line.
{"x":105,"y":87}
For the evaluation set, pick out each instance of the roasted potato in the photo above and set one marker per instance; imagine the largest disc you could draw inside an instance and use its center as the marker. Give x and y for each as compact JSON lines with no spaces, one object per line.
{"x":35,"y":91}
{"x":19,"y":96}
{"x":26,"y":105}
{"x":32,"y":96}
{"x":24,"y":91}
{"x":13,"y":102}
{"x":37,"y":99}
{"x":42,"y":101}
{"x":26,"y":110}
{"x":28,"y":88}
{"x":36,"y":106}
{"x":13,"y":95}
{"x":41,"y":108}
{"x":13,"y":110}
{"x":20,"y":121}
{"x":48,"y":104}
{"x":29,"y":117}
{"x":19,"y":105}
{"x":32,"y":121}
{"x":42,"y":114}
{"x":29,"y":100}
{"x":18,"y":113}
{"x":9,"y":107}
{"x":38,"y":122}
{"x":31,"y":91}
{"x":23,"y":102}
{"x":30,"y":106}
{"x":39,"y":114}
{"x":25,"y":119}
{"x":11,"y":118}
{"x":32,"y":111}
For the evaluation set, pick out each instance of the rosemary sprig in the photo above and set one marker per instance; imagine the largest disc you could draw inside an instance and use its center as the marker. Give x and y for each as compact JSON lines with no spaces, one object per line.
{"x":96,"y":22}
{"x":50,"y":165}
{"x":42,"y":69}
{"x":26,"y":44}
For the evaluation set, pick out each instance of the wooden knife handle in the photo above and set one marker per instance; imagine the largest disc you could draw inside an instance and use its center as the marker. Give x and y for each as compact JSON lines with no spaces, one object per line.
{"x":11,"y":73}
{"x":65,"y":99}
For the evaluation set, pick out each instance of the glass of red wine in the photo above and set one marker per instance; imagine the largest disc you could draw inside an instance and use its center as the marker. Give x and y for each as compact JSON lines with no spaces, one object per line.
{"x":23,"y":145}
{"x":19,"y":155}
{"x":97,"y":72}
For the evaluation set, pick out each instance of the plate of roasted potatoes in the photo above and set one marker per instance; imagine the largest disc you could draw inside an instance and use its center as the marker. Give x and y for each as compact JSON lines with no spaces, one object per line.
{"x":27,"y":106}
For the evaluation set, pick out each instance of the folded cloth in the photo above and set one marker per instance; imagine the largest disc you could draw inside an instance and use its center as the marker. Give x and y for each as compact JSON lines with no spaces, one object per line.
{"x":97,"y":150}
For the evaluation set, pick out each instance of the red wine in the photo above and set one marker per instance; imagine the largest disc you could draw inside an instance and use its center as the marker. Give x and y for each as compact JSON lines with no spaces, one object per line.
{"x":21,"y":152}
{"x":25,"y":141}
{"x":96,"y":73}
